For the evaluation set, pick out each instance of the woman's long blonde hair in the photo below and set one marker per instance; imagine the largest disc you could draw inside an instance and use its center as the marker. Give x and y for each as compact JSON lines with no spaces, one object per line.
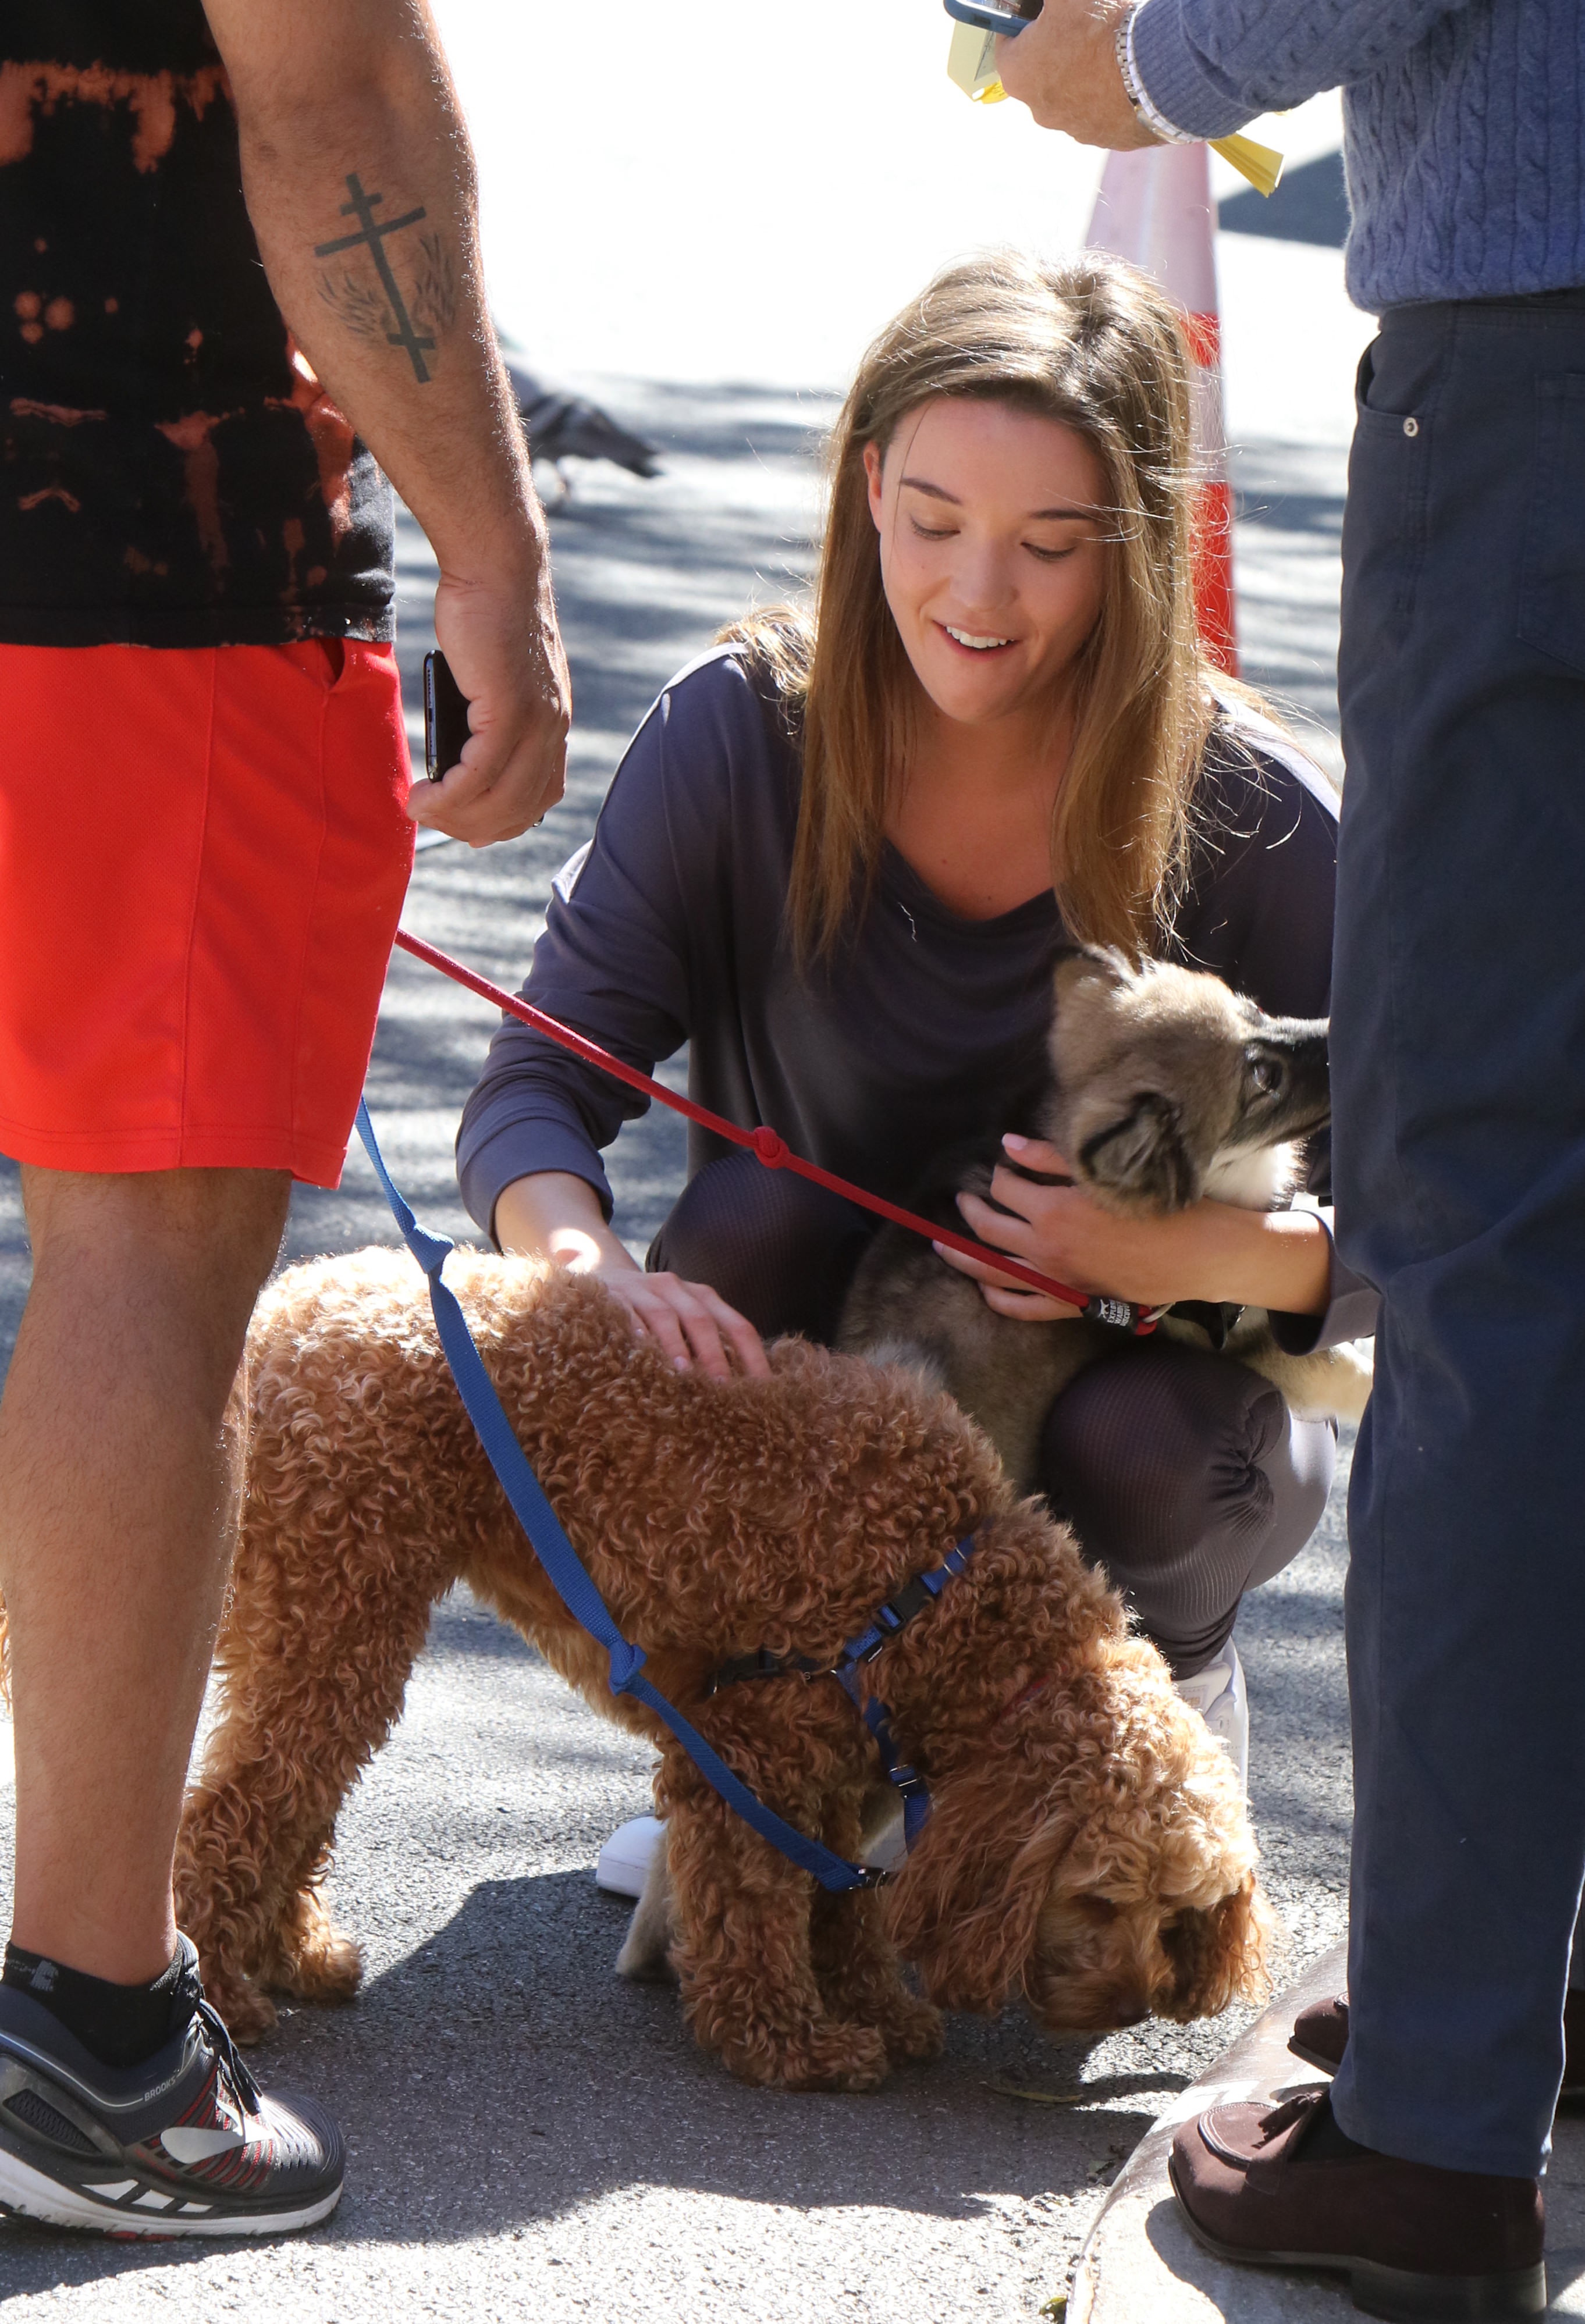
{"x":1097,"y":347}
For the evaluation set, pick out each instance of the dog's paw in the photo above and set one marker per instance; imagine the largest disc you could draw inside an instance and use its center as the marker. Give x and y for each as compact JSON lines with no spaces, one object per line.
{"x":647,"y":1959}
{"x":310,"y":1958}
{"x":821,"y":2057}
{"x":330,"y":1970}
{"x":249,"y":2015}
{"x":912,"y":2028}
{"x":837,"y":2056}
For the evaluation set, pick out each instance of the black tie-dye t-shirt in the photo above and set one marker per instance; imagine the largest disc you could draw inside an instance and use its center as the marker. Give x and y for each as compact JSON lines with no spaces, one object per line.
{"x":170,"y":472}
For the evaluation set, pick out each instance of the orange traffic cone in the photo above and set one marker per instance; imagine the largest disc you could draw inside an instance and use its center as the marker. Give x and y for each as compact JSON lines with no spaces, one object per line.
{"x":1154,"y":208}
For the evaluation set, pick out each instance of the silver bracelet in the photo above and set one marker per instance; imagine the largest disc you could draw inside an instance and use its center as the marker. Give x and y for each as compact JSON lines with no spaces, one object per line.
{"x":1133,"y":88}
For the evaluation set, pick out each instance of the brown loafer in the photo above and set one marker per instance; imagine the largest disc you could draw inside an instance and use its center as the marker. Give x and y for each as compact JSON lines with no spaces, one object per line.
{"x":1320,"y":2035}
{"x":1416,"y":2244}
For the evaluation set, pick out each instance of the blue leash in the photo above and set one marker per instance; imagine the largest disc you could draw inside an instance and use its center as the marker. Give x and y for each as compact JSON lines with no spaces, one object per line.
{"x":571,"y":1580}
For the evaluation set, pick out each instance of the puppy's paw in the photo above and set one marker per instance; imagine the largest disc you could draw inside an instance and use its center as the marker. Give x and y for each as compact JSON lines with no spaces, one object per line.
{"x":311,"y":1957}
{"x":837,"y":2056}
{"x":646,"y":1956}
{"x":820,"y":2057}
{"x":248,"y":2014}
{"x":912,"y":2028}
{"x":330,"y":1971}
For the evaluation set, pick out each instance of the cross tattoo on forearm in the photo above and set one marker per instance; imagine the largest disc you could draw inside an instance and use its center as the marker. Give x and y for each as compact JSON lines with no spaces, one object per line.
{"x":373,"y":233}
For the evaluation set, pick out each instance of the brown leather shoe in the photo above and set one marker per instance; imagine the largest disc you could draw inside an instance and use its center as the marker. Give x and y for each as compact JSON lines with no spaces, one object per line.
{"x":1416,"y":2243}
{"x":1320,"y":2035}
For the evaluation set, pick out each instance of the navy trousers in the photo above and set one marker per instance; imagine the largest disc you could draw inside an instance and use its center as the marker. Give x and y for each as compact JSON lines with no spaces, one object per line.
{"x":1458,"y":1110}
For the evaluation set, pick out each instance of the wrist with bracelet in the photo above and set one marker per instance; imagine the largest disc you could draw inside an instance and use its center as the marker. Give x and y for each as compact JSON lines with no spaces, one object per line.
{"x":1145,"y":113}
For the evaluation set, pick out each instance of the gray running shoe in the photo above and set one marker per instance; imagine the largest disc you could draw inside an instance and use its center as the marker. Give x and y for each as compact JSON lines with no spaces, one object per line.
{"x":185,"y":2144}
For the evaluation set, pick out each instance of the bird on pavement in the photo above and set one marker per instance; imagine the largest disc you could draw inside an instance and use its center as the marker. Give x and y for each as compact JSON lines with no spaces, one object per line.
{"x":568,"y":427}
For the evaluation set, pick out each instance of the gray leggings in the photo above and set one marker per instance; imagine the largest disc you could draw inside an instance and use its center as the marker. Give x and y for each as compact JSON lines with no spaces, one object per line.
{"x":1186,"y":1475}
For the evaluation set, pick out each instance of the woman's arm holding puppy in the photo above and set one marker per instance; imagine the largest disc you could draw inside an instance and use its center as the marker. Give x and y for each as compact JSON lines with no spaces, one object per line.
{"x":554,"y":1214}
{"x":1276,"y":1259}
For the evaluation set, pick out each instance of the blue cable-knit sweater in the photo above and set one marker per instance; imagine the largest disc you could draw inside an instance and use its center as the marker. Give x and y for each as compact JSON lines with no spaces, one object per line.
{"x":1465,"y":126}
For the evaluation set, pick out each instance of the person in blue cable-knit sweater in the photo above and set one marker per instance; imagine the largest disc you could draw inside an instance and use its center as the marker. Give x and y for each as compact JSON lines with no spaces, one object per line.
{"x":1459,"y":1073}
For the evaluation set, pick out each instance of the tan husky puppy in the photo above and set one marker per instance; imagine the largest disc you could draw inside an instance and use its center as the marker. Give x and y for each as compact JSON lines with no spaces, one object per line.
{"x":1166,"y":1086}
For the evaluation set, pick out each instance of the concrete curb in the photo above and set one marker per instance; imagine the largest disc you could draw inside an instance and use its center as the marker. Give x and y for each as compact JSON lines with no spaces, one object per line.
{"x":1139,"y":2262}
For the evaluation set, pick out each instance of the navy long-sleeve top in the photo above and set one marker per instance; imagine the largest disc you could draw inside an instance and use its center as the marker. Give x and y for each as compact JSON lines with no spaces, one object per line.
{"x":670,"y":926}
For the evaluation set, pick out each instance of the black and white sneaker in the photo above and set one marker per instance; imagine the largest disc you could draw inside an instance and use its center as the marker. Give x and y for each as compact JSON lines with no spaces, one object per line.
{"x":185,"y":2144}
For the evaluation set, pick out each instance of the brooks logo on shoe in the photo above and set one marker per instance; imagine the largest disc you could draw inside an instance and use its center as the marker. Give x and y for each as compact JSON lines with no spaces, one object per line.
{"x":195,"y":2145}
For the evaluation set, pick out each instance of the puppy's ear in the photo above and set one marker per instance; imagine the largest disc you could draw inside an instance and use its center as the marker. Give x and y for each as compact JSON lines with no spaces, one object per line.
{"x":964,"y":1905}
{"x":1218,"y":1956}
{"x":1098,"y":964}
{"x":1141,"y":1157}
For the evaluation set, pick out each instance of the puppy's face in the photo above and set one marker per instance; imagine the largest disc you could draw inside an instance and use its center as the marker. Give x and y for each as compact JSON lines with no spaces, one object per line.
{"x":1103,"y":1959}
{"x":1098,"y":1861}
{"x":1168,"y":1085}
{"x":1151,"y":1910}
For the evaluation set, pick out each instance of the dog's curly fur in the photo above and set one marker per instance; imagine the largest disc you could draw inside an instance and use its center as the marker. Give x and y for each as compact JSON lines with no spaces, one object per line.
{"x":1087,"y":1847}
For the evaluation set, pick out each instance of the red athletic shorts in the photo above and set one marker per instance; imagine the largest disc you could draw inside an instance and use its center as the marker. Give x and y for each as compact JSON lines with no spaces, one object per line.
{"x":203,"y":853}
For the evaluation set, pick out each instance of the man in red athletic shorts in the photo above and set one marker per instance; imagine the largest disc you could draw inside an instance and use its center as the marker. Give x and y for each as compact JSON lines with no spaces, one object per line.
{"x":204,"y":841}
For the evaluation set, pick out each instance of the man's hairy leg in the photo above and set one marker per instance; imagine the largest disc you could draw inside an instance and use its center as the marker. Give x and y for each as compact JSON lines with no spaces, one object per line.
{"x":120,"y":1462}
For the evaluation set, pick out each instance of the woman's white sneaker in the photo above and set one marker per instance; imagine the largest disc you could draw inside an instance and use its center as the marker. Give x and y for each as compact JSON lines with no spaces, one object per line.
{"x":1219,"y":1694}
{"x":625,"y":1857}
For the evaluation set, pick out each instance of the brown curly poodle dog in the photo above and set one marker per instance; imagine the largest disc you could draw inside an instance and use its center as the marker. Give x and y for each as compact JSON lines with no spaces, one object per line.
{"x":1086,"y":1848}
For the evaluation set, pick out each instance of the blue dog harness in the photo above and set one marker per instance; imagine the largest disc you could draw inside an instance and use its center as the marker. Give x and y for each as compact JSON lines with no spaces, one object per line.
{"x":894,"y":1614}
{"x":573,"y":1584}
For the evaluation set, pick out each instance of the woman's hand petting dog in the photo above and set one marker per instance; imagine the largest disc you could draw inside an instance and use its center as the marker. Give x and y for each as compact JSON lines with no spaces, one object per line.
{"x":688,"y":1322}
{"x":1276,"y":1259}
{"x":553,"y":1215}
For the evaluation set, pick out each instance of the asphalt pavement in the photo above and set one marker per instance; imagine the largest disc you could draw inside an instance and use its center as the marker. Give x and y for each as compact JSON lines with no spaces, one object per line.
{"x":532,"y":2137}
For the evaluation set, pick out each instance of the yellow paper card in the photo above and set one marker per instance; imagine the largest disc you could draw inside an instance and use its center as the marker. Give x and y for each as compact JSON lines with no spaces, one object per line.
{"x":1261,"y":164}
{"x":972,"y":64}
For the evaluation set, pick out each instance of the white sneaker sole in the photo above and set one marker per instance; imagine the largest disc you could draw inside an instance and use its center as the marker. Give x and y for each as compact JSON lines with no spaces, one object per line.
{"x":30,"y":2194}
{"x":627,"y":1856}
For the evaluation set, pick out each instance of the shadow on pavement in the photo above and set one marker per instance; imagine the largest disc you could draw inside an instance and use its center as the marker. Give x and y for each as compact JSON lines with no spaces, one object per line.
{"x":531,"y":2084}
{"x":595,"y":2085}
{"x":1286,"y":552}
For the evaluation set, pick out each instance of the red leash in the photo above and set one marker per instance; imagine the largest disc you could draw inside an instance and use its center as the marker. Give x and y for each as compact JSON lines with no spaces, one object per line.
{"x":769,"y":1147}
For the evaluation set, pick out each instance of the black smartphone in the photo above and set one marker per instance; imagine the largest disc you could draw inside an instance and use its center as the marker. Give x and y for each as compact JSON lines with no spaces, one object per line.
{"x":990,"y":18}
{"x":445,"y":717}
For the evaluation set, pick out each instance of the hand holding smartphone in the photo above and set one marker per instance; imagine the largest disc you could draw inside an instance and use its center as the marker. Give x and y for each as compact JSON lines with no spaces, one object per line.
{"x":991,"y":17}
{"x":445,"y":717}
